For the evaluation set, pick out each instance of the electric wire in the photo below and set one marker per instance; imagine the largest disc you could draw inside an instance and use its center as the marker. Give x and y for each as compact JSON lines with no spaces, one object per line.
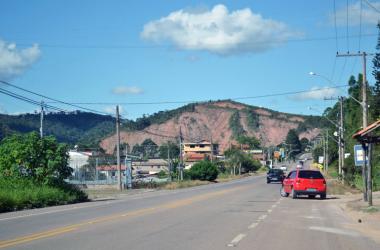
{"x":52,"y":99}
{"x":205,"y":101}
{"x":372,"y":6}
{"x":28,"y":100}
{"x":158,"y":46}
{"x":347,"y":39}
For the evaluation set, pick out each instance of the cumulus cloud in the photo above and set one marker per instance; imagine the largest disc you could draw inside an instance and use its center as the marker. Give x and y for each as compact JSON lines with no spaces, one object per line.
{"x":316,"y":93}
{"x":123,"y":90}
{"x":219,"y":31}
{"x":369,"y":15}
{"x":15,"y":61}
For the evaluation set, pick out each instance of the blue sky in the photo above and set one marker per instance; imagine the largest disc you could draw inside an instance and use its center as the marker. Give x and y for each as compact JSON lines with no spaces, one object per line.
{"x":179,"y":51}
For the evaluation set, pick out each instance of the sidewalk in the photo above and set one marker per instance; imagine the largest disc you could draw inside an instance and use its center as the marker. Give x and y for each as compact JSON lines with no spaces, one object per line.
{"x":365,"y":219}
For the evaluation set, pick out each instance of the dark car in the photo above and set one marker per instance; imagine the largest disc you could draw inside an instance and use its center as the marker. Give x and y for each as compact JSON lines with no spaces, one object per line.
{"x":275,"y":174}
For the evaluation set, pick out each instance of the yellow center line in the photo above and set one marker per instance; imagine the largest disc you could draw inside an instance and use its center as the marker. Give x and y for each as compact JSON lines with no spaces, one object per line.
{"x":140,"y":212}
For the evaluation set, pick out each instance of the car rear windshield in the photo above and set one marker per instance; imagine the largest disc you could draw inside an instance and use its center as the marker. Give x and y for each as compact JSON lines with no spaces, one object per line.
{"x":310,"y":174}
{"x":275,"y":171}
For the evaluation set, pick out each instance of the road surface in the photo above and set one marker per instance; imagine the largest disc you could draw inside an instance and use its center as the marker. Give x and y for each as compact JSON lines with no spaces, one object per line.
{"x":243,"y":214}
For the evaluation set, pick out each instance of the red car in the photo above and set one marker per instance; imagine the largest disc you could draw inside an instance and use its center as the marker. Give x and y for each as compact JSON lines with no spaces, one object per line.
{"x":304,"y":182}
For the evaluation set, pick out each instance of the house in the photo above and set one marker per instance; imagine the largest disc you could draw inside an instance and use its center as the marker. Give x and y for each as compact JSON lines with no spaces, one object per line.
{"x":151,"y":167}
{"x":198,"y":151}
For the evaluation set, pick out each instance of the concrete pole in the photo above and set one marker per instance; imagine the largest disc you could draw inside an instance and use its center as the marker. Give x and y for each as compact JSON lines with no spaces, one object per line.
{"x":42,"y":120}
{"x":365,"y":121}
{"x":341,"y":137}
{"x":120,"y":185}
{"x":369,"y":168}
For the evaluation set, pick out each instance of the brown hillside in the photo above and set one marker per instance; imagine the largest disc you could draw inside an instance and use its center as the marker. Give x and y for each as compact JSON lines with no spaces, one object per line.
{"x":212,"y":121}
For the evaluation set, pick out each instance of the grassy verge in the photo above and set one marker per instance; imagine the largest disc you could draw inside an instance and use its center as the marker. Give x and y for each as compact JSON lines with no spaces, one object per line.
{"x":18,"y":194}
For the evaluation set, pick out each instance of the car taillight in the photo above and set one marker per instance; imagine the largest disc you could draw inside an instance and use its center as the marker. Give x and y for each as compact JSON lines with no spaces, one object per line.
{"x":324,"y":182}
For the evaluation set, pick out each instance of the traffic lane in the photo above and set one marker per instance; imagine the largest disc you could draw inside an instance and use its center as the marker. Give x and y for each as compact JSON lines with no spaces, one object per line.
{"x":49,"y":219}
{"x":306,"y":224}
{"x":206,"y":224}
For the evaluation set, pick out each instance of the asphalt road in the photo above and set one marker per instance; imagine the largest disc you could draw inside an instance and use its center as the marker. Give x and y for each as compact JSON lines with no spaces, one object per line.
{"x":243,"y":214}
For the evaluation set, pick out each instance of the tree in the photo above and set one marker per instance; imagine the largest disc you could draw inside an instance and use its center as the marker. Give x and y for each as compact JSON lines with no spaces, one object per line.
{"x":173,"y":150}
{"x":253,"y":142}
{"x":42,"y":159}
{"x":304,"y":142}
{"x":293,"y":143}
{"x":204,"y":171}
{"x":375,"y":105}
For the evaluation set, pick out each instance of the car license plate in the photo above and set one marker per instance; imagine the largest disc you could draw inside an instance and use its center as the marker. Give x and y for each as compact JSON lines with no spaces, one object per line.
{"x":275,"y":179}
{"x":311,"y":189}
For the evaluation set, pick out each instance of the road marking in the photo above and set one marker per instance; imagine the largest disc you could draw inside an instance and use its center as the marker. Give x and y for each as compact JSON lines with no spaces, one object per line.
{"x":274,"y":205}
{"x":236,"y":240}
{"x":269,"y":210}
{"x":262,"y":217}
{"x":313,"y":217}
{"x":253,"y":225}
{"x":335,"y":231}
{"x":144,"y":211}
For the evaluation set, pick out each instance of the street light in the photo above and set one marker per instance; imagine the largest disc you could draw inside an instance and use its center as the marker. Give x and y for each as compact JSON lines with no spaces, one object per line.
{"x":331,"y":82}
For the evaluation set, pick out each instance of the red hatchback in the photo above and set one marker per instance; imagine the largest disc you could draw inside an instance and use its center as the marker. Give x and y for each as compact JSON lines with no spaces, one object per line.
{"x":304,"y":182}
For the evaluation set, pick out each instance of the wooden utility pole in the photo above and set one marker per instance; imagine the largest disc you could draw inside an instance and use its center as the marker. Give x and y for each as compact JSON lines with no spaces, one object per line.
{"x":120,"y":185}
{"x":365,"y":113}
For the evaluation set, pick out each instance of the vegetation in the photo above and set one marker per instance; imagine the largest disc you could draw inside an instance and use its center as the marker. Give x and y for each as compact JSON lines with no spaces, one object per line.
{"x":293,"y":142}
{"x":252,"y":142}
{"x":173,"y":150}
{"x":204,"y":171}
{"x":32,"y":173}
{"x":235,"y":125}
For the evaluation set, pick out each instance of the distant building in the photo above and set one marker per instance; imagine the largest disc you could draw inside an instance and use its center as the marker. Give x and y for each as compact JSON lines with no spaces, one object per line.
{"x":151,"y":167}
{"x":77,"y":160}
{"x":198,"y":151}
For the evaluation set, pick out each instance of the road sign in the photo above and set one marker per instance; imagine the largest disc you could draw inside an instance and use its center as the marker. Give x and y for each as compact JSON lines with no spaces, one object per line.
{"x":359,"y":155}
{"x":320,"y":159}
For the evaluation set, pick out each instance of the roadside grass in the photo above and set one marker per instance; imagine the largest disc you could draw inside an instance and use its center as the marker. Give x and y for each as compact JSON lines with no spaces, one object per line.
{"x":335,"y":187}
{"x":18,"y":194}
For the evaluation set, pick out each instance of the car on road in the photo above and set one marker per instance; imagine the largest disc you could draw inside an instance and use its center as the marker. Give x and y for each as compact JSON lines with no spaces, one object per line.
{"x":275,"y":174}
{"x":284,"y":168}
{"x":304,"y":182}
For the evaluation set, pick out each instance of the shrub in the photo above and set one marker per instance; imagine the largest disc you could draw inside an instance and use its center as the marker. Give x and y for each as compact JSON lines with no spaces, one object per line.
{"x":204,"y":171}
{"x":22,"y":193}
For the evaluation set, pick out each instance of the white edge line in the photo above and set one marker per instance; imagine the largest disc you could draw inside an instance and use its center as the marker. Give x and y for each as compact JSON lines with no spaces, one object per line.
{"x":236,"y":240}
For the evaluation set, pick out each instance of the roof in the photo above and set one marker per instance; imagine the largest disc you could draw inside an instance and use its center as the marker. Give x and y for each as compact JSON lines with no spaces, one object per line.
{"x":365,"y":132}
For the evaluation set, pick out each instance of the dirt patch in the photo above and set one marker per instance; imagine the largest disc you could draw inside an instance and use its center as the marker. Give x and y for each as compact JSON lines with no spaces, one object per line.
{"x":365,"y":219}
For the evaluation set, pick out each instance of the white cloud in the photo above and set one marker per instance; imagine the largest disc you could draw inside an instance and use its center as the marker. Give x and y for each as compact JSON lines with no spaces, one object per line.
{"x":123,"y":90}
{"x":316,"y":93}
{"x":369,"y":15}
{"x":219,"y":31}
{"x":15,"y":61}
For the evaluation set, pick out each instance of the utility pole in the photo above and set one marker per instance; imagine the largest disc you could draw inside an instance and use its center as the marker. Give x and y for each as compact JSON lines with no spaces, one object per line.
{"x":324,"y":142}
{"x":120,"y":185}
{"x":42,"y":120}
{"x":341,"y":138}
{"x":365,"y":112}
{"x":369,"y":183}
{"x":180,"y":176}
{"x":169,"y":164}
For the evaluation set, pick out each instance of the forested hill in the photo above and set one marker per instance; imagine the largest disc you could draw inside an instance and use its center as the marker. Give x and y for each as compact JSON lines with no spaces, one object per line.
{"x":72,"y":128}
{"x":89,"y":129}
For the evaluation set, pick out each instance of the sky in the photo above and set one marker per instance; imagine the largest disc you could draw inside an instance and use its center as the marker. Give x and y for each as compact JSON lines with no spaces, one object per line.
{"x":148,"y":56}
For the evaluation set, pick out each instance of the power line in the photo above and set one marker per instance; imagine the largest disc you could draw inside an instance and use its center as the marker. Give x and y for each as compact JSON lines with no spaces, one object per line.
{"x":372,"y":6}
{"x":52,"y":99}
{"x":158,"y":46}
{"x":205,"y":101}
{"x":28,"y":100}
